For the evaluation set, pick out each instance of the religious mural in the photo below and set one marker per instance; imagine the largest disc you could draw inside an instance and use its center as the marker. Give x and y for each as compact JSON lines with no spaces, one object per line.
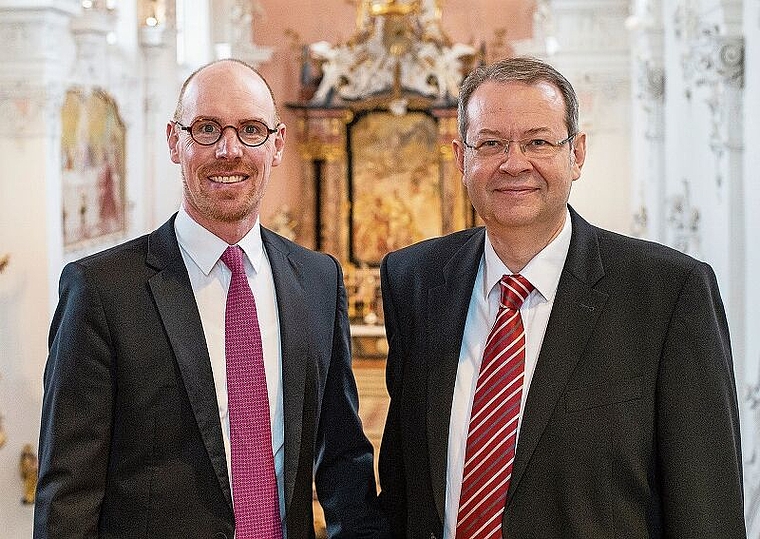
{"x":93,"y":169}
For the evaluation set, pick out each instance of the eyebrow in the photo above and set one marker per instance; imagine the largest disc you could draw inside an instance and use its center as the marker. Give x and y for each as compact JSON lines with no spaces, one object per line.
{"x":221,"y":122}
{"x":527,"y":134}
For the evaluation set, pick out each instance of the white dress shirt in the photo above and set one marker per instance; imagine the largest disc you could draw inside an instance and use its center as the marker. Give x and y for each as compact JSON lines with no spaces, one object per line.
{"x":210,"y":279}
{"x":543,"y":271}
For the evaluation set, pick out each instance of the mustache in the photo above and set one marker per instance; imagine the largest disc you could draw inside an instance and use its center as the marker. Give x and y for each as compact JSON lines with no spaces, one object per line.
{"x":223,"y":168}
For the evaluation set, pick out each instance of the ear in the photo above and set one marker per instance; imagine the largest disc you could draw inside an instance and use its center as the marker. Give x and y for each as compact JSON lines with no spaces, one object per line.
{"x":458,"y":147}
{"x":578,"y":156}
{"x":172,"y":139}
{"x":279,"y":144}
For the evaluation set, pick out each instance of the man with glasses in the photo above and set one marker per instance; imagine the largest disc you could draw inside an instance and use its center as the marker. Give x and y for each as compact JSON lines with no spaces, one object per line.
{"x":550,"y":379}
{"x":199,"y":378}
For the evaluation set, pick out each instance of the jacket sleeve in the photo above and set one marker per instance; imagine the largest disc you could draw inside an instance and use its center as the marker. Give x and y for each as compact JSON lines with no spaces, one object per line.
{"x":391,"y":462}
{"x":698,"y":439}
{"x":345,"y":477}
{"x":76,"y":413}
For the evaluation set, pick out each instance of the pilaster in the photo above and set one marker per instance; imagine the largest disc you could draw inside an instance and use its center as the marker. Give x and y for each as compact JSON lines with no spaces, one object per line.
{"x":35,"y":57}
{"x":583,"y":41}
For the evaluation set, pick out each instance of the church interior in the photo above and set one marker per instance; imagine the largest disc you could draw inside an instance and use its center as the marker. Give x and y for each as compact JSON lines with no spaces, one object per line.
{"x":368,"y":91}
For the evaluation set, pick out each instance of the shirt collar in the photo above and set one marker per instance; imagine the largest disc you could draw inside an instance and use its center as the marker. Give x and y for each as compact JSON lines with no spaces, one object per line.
{"x":205,"y":248}
{"x":543,"y":270}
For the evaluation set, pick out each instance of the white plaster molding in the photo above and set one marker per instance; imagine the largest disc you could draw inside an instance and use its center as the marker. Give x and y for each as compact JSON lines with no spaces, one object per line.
{"x":394,"y":54}
{"x":31,"y":110}
{"x":640,"y":222}
{"x":90,"y":30}
{"x":712,"y":65}
{"x":686,"y":20}
{"x":649,"y":101}
{"x":749,"y":396}
{"x":589,"y":25}
{"x":714,"y":69}
{"x":684,"y":222}
{"x":36,"y":44}
{"x":233,"y":34}
{"x":714,"y":58}
{"x":650,"y":83}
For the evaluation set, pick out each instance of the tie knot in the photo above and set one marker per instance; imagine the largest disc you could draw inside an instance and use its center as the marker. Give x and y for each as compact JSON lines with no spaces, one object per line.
{"x":514,"y":291}
{"x":233,"y":259}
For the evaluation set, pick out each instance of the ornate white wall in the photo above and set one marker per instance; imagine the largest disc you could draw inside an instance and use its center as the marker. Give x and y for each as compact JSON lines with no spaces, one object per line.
{"x":668,"y":94}
{"x":749,"y":339}
{"x":36,"y":53}
{"x":696,"y":77}
{"x":49,"y":46}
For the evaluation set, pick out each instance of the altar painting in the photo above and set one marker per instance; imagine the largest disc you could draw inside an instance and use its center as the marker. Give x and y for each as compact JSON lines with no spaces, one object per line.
{"x":395,"y":183}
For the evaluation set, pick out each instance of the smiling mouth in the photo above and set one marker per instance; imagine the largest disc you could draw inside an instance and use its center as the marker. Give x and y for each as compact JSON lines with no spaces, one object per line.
{"x":227,"y":179}
{"x":516,"y":189}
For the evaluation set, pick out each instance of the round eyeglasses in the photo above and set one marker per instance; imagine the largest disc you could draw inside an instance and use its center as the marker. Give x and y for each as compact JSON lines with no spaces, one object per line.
{"x":531,"y":148}
{"x":208,"y":132}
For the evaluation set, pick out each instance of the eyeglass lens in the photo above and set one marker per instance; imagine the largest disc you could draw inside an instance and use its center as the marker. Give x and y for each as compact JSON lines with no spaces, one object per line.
{"x":250,"y":133}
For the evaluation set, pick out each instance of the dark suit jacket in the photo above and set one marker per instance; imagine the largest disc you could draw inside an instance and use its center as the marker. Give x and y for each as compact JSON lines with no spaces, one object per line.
{"x":630,"y":427}
{"x":131,"y":441}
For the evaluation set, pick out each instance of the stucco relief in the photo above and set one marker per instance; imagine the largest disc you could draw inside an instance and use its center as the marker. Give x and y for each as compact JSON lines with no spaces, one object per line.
{"x":650,"y":93}
{"x":749,"y":395}
{"x":684,"y":222}
{"x":712,"y":64}
{"x":715,"y":68}
{"x":651,"y":82}
{"x":714,"y":58}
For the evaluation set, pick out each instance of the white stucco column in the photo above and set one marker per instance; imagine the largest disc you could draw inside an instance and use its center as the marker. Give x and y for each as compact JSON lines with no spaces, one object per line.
{"x":648,"y":121}
{"x":36,"y":54}
{"x":586,"y":41}
{"x":750,"y":340}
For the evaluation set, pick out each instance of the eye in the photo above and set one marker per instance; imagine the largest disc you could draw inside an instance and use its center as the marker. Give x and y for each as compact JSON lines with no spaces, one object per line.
{"x":490,"y":143}
{"x":538,"y":143}
{"x":206,"y":127}
{"x":252,"y":128}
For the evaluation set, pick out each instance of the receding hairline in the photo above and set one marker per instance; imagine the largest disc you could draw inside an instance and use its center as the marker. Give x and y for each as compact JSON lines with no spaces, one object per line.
{"x":179,"y":109}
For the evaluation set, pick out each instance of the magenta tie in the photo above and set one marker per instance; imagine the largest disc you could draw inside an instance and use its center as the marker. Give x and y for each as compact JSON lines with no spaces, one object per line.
{"x":254,"y":484}
{"x":494,"y":418}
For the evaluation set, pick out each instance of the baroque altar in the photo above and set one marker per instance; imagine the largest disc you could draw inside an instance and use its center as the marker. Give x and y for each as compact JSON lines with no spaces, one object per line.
{"x":376,"y":118}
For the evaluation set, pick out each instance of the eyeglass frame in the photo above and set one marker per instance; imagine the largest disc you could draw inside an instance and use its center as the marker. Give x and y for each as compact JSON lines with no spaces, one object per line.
{"x":522,"y":144}
{"x":222,"y":128}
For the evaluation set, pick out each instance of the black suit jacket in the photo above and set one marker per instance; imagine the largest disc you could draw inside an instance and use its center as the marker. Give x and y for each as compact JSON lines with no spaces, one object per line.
{"x":131,"y":441}
{"x":630,"y":427}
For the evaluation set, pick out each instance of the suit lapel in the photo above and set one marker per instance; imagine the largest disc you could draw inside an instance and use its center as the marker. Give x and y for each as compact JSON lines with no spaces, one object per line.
{"x":576,"y":309}
{"x":448,"y":302}
{"x":176,"y":305}
{"x":293,"y":307}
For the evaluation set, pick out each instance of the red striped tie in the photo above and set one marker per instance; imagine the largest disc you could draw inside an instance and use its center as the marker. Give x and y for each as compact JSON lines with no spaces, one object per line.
{"x":494,"y":418}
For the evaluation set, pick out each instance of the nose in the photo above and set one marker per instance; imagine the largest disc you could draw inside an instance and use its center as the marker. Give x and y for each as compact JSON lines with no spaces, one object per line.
{"x":229,"y":145}
{"x":513,"y":161}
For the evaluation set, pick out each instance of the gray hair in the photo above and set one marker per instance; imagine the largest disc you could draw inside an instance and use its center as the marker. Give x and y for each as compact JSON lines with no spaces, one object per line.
{"x":518,"y":69}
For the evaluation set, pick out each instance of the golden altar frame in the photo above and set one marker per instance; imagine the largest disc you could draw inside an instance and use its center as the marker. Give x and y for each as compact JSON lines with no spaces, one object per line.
{"x":375,"y":122}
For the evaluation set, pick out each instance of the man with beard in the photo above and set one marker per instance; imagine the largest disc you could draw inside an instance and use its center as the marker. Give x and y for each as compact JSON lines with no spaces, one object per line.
{"x":199,"y":377}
